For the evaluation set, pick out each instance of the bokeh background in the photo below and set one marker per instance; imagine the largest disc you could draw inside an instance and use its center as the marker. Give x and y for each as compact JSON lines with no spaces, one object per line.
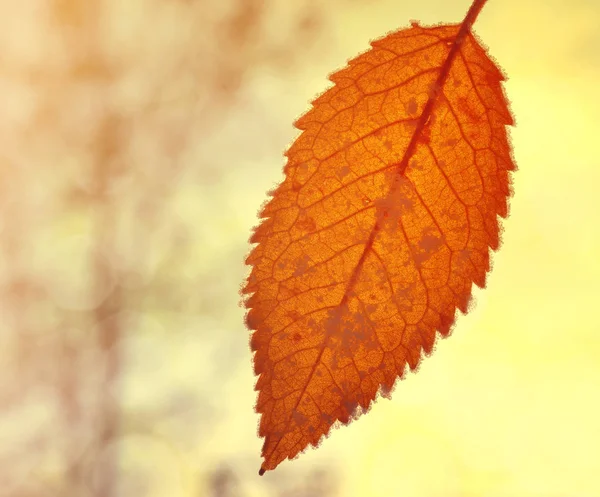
{"x":138,"y":141}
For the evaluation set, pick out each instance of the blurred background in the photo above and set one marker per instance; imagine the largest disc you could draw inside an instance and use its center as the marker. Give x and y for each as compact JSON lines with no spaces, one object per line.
{"x":138,"y":141}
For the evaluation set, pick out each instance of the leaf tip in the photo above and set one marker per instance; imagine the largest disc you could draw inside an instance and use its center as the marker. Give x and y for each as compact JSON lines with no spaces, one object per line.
{"x":261,"y":471}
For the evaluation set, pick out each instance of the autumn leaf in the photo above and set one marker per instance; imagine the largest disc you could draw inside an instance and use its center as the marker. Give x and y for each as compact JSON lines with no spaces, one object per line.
{"x":384,"y":221}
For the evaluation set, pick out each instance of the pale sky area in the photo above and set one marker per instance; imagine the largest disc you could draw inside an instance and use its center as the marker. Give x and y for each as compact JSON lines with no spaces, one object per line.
{"x":507,"y":406}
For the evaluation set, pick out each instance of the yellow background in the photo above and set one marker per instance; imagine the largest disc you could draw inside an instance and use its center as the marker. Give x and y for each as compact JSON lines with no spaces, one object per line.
{"x":508,"y":406}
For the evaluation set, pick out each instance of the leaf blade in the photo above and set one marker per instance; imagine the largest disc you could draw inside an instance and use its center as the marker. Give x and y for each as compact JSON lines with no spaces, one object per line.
{"x":382,"y":224}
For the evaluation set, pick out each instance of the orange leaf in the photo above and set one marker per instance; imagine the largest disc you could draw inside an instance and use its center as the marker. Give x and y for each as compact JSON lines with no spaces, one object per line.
{"x":383,"y":223}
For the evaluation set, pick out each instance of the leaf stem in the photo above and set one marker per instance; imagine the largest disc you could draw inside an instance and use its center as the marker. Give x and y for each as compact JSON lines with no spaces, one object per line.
{"x":472,"y":14}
